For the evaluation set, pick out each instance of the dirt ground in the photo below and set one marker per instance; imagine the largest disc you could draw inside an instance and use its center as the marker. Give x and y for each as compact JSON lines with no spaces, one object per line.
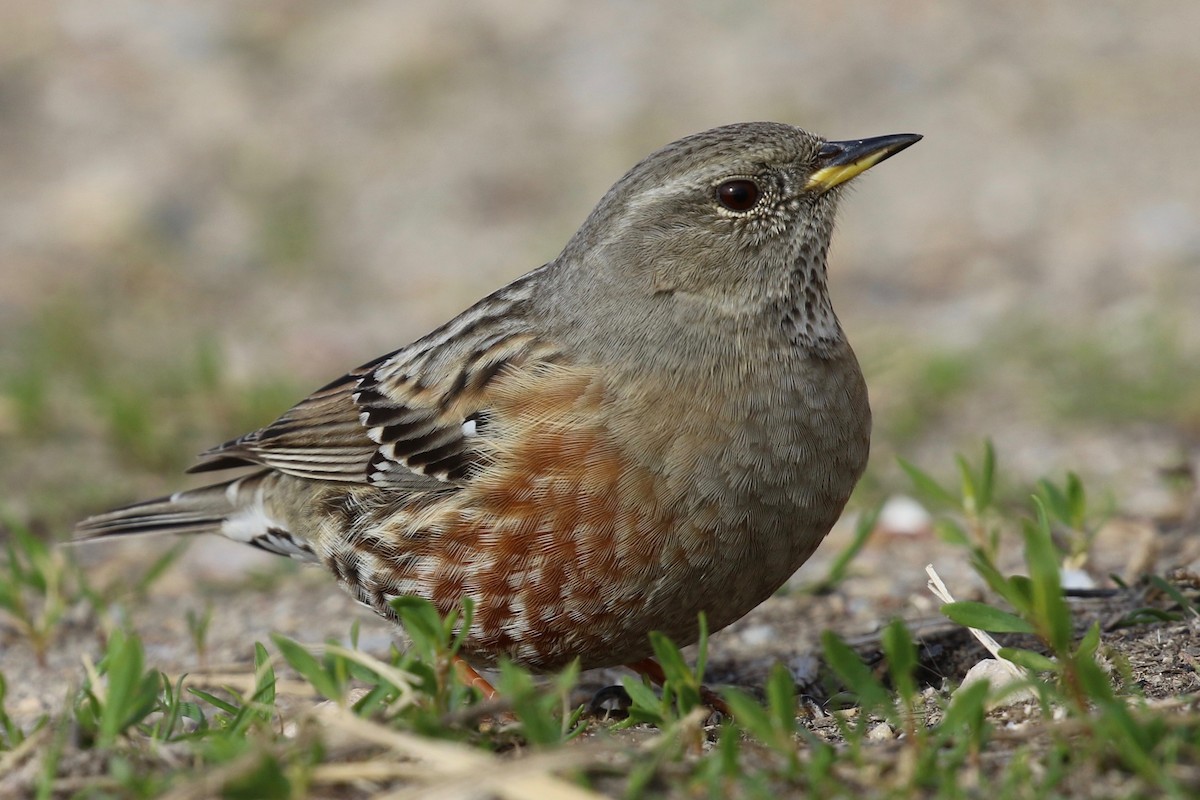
{"x":302,"y":186}
{"x":887,"y":580}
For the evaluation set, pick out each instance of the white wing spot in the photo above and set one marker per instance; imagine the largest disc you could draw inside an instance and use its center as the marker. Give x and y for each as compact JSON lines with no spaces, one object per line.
{"x":469,"y":428}
{"x":248,"y":524}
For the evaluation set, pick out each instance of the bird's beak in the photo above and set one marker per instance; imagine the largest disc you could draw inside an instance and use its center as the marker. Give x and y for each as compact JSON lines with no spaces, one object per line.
{"x":838,"y":162}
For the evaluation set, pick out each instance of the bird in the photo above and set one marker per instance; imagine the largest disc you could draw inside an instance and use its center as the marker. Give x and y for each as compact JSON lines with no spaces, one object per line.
{"x":664,"y":420}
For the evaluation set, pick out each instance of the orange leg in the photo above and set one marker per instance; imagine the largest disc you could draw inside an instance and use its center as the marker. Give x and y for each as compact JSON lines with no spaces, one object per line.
{"x":468,"y":675}
{"x":651,"y":669}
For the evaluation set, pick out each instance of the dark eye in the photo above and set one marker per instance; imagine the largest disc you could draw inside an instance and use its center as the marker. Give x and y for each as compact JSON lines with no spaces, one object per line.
{"x":738,"y":195}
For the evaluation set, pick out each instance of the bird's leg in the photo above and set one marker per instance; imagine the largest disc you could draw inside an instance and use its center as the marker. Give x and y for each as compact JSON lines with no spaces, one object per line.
{"x":469,"y":677}
{"x":651,"y":669}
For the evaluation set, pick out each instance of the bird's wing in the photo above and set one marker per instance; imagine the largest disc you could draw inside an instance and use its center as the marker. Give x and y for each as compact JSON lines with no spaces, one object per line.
{"x":408,"y":420}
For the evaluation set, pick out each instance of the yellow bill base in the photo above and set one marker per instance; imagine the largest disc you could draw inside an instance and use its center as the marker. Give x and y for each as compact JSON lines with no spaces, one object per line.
{"x":829,"y":177}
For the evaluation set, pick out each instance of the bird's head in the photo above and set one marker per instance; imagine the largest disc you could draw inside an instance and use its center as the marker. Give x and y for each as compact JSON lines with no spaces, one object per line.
{"x":732,"y":218}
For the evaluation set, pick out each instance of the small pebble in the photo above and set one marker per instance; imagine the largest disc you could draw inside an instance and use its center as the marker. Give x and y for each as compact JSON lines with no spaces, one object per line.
{"x":903,"y":516}
{"x":758,"y":635}
{"x":881,"y":732}
{"x":998,"y":674}
{"x":1077,"y":579}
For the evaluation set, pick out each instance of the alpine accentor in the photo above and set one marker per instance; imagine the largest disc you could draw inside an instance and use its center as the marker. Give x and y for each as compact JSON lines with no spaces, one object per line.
{"x":663,"y":420}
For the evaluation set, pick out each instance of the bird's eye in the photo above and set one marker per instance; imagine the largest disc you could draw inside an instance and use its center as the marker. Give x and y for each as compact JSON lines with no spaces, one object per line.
{"x":738,"y":195}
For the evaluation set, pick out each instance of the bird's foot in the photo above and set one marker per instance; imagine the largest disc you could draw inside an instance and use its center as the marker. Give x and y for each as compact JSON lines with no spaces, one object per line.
{"x":469,"y":677}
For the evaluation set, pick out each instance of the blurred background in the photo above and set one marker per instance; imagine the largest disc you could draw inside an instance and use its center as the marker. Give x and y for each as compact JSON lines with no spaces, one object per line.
{"x":211,"y":208}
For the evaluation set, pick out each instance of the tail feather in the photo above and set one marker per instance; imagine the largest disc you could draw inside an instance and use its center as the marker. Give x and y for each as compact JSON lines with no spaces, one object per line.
{"x":236,"y":509}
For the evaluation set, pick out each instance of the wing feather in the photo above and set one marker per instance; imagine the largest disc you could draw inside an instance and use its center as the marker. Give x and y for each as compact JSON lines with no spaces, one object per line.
{"x":409,"y":420}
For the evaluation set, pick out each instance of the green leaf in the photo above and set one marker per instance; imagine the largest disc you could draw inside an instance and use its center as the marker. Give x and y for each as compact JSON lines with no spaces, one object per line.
{"x":1090,"y":642}
{"x":901,"y":656}
{"x":1007,"y":588}
{"x":749,"y":715}
{"x":968,"y":708}
{"x":1050,"y":612}
{"x":927,"y":486}
{"x":951,"y":532}
{"x":1172,"y":591}
{"x":681,"y":683}
{"x":670,"y":659}
{"x":158,"y":568}
{"x":1144,"y":616}
{"x":171,"y":707}
{"x":534,"y":708}
{"x":131,"y":693}
{"x":967,"y":488}
{"x":11,"y":734}
{"x":646,"y":705}
{"x":1077,"y":501}
{"x":987,"y":475}
{"x":267,"y":781}
{"x":423,"y":625}
{"x":856,"y":675}
{"x":781,"y":700}
{"x":985,"y":617}
{"x":726,"y":763}
{"x":218,"y":703}
{"x":1029,"y":659}
{"x":1094,"y":680}
{"x":978,"y":490}
{"x":1054,"y":498}
{"x":264,"y":674}
{"x":1022,"y":587}
{"x":307,"y":665}
{"x":460,"y":622}
{"x":840,"y":568}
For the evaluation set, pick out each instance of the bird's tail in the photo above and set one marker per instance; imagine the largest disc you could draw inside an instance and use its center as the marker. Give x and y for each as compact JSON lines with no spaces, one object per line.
{"x":237,"y":509}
